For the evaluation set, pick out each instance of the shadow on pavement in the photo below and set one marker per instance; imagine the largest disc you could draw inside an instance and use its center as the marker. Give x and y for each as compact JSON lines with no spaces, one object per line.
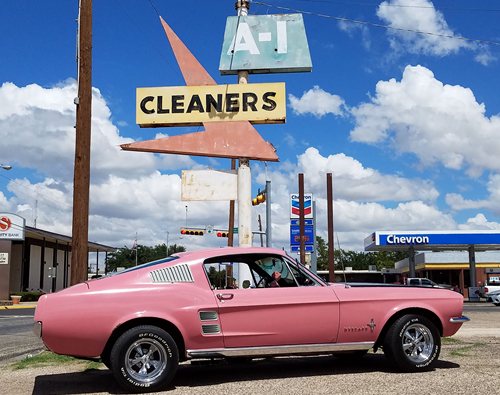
{"x":219,"y":372}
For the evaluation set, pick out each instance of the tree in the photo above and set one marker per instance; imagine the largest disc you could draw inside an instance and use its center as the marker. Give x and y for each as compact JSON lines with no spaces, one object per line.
{"x":126,"y":257}
{"x":356,"y":259}
{"x":322,"y":251}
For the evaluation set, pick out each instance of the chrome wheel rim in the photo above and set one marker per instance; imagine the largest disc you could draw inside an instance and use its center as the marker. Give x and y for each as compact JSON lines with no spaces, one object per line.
{"x":418,"y":343}
{"x":145,"y":360}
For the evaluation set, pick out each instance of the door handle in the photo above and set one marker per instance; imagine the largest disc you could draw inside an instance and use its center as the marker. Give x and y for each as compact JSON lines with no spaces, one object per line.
{"x":225,"y":296}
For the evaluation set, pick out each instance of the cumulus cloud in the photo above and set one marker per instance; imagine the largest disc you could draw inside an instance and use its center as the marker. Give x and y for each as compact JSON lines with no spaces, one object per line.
{"x":457,"y":202}
{"x":127,"y":188}
{"x":364,"y":199}
{"x":420,"y":16}
{"x":437,"y":122}
{"x":317,"y":102}
{"x":479,"y":222}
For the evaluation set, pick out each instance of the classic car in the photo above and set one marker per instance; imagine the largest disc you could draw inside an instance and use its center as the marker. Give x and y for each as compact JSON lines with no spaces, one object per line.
{"x":220,"y":304}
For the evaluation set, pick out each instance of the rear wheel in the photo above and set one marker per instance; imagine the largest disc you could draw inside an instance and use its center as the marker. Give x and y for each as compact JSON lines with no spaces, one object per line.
{"x":144,"y":359}
{"x":412,"y":343}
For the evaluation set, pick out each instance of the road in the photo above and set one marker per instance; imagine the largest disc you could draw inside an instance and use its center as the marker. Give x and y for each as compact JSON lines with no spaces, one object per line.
{"x":16,"y":336}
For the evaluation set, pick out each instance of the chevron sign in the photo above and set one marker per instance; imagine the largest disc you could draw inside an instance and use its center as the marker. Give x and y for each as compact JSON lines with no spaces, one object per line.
{"x":295,"y":206}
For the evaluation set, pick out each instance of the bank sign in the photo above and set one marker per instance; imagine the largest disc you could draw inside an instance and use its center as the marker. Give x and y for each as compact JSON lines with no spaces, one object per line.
{"x":194,"y":105}
{"x":11,"y":227}
{"x":265,"y":44}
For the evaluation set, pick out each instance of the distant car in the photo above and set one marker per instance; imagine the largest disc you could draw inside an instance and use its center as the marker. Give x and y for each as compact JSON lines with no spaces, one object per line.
{"x":220,"y":304}
{"x":425,"y":282}
{"x":493,"y":297}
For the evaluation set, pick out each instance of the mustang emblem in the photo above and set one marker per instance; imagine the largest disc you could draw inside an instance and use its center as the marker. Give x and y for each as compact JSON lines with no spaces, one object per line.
{"x":372,"y":325}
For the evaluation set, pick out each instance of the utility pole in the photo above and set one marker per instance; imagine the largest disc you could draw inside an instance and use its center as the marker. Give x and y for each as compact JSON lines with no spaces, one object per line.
{"x":81,"y":181}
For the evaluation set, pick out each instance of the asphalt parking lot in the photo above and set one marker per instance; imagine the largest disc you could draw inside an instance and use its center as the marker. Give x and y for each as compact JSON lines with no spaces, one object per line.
{"x":469,"y":363}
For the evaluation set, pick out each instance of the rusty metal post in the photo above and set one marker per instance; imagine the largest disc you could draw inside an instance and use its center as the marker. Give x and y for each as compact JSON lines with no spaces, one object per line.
{"x":81,"y":182}
{"x":329,"y":201}
{"x":302,"y":220}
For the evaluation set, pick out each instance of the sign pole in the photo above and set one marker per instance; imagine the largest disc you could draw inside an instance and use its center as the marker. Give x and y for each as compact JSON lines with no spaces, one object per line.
{"x":301,"y":220}
{"x":244,"y":173}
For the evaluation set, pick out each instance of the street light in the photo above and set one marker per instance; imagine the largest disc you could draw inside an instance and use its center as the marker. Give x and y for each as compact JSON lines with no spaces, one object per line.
{"x":6,"y":167}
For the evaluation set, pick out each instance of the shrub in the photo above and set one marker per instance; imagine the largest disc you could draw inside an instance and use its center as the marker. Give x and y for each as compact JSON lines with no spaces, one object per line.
{"x":30,"y":296}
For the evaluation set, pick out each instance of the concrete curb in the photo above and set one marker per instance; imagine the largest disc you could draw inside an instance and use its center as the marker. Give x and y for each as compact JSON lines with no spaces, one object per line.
{"x":19,"y":306}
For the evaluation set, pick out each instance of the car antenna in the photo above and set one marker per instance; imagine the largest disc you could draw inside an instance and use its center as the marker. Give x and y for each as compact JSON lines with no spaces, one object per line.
{"x":341,"y":260}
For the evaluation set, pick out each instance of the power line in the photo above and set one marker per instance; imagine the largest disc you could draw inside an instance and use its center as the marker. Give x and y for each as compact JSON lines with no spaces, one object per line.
{"x":387,"y":27}
{"x":387,"y":5}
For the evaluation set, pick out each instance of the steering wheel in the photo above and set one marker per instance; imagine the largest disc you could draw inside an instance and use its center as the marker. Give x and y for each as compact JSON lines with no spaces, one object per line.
{"x":262,"y":280}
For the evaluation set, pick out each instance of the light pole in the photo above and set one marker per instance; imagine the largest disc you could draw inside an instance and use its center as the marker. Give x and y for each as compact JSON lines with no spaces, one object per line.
{"x":5,"y":167}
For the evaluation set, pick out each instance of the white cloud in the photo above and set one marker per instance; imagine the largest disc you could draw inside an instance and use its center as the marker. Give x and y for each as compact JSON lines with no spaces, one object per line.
{"x":479,"y":222}
{"x":317,"y":102}
{"x":421,"y":16}
{"x":458,"y":202}
{"x":359,"y":193}
{"x":350,"y":28}
{"x":438,"y":123}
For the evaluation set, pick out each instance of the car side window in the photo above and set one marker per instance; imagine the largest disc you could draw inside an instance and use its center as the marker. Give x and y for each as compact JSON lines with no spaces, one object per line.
{"x":414,"y":282}
{"x":427,"y":282}
{"x":221,"y":275}
{"x":271,"y":265}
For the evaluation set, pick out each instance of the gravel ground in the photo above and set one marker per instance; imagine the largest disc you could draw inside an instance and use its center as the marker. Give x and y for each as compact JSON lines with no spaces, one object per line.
{"x":469,"y":363}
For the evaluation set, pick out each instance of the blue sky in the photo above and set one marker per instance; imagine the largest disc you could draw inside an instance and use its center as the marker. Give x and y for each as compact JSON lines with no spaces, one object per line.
{"x":408,"y":123}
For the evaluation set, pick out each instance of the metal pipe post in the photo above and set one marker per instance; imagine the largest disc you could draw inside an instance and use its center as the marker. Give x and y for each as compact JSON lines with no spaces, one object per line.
{"x":269,"y":240}
{"x":244,"y":204}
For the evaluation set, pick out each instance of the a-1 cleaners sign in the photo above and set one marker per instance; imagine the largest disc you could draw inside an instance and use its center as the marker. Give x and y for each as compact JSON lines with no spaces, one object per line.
{"x":265,"y":44}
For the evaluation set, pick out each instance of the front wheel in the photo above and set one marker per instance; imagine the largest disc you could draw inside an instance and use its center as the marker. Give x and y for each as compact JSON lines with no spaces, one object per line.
{"x":144,"y":359}
{"x":412,"y":343}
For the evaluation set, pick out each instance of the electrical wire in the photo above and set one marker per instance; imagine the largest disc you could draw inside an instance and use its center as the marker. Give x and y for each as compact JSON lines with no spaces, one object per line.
{"x":378,"y":25}
{"x":387,"y":5}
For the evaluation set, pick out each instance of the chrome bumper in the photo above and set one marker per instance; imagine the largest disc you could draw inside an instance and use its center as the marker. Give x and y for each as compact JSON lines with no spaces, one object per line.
{"x":459,"y":320}
{"x":37,"y":328}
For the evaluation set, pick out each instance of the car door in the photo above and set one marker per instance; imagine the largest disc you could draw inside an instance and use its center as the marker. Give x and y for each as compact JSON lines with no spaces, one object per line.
{"x":289,"y":315}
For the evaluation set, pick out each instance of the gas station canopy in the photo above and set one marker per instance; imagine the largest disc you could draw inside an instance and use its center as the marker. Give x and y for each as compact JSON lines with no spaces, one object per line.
{"x":481,"y":240}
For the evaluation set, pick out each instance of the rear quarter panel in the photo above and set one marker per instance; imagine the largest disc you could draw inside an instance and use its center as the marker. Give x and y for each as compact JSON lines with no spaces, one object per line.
{"x":360,"y":307}
{"x":79,"y":320}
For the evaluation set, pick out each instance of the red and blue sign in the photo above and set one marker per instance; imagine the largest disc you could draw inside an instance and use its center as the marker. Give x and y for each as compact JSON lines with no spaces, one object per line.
{"x":295,"y":205}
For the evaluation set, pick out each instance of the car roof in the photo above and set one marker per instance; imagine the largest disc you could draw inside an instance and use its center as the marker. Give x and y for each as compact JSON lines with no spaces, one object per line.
{"x":214,"y":252}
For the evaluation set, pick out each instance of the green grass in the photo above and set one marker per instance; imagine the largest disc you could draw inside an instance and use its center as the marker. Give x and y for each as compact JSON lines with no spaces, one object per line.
{"x":47,"y":358}
{"x":464,"y":350}
{"x":450,"y":340}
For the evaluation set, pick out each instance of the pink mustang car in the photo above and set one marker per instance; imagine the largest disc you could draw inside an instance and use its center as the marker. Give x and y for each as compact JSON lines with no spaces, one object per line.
{"x":228,"y":303}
